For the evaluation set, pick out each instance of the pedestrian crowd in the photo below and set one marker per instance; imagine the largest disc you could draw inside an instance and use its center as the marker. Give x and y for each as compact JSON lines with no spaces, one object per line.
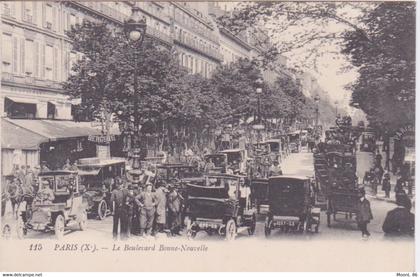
{"x":144,"y":211}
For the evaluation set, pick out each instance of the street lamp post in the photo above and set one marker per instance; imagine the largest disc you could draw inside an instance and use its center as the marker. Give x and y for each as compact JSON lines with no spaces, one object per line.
{"x":259,"y":126}
{"x":135,"y":31}
{"x":316,"y":99}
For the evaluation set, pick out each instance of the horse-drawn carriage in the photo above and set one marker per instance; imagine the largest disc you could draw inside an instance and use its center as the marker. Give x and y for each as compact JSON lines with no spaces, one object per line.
{"x":291,"y":208}
{"x":221,"y":204}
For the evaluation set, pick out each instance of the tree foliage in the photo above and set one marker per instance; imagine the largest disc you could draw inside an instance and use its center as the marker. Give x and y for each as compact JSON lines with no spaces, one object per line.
{"x":172,"y":106}
{"x":385,"y":57}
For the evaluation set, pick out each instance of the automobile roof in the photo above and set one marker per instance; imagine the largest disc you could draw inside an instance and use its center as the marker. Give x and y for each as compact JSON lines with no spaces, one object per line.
{"x":223,"y":175}
{"x":57,"y":172}
{"x":102,"y":163}
{"x":231,"y":150}
{"x":174,"y":165}
{"x":296,"y":177}
{"x":272,"y":140}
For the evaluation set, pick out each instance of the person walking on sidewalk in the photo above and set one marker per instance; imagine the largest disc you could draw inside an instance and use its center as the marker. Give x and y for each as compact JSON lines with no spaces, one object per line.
{"x":364,"y":213}
{"x":386,"y":184}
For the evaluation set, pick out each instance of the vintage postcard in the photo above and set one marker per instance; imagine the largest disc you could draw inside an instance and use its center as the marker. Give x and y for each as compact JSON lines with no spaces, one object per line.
{"x":207,"y":136}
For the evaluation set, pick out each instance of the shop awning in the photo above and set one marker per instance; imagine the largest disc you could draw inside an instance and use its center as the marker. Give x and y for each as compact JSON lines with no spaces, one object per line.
{"x":23,"y":100}
{"x":60,"y":129}
{"x":16,"y":137}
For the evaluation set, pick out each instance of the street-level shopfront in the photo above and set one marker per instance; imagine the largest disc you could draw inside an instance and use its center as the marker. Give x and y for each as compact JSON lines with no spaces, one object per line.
{"x":29,"y":142}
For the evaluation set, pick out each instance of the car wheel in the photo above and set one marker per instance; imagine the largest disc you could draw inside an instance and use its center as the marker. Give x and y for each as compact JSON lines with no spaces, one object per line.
{"x":83,"y":221}
{"x":6,"y":232}
{"x":252,"y":227}
{"x":230,"y":230}
{"x":59,"y":227}
{"x":102,"y":209}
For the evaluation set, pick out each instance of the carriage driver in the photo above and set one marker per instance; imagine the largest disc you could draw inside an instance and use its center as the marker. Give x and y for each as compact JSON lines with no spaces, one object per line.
{"x":45,"y":195}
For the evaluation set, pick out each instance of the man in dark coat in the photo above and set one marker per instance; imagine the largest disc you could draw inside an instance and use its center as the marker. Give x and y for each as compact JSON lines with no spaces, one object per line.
{"x":364,"y":213}
{"x":386,"y":184}
{"x":160,"y":216}
{"x":400,"y":221}
{"x":119,"y":198}
{"x":174,"y":210}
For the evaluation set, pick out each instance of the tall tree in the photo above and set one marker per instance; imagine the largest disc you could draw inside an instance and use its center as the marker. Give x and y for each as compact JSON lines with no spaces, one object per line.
{"x":385,"y":57}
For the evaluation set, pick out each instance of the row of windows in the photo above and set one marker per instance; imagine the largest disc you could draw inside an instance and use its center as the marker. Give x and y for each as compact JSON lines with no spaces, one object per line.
{"x":42,"y":14}
{"x":196,"y":66}
{"x":35,"y":59}
{"x":196,"y":42}
{"x":229,"y":56}
{"x":190,"y":22}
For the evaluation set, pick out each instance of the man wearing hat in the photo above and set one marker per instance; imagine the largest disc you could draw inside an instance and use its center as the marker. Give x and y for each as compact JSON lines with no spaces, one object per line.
{"x":44,"y":167}
{"x":119,"y":198}
{"x":386,"y":184}
{"x":146,"y":200}
{"x":174,"y":210}
{"x":45,"y":195}
{"x":275,"y":169}
{"x":364,"y":213}
{"x":160,"y":216}
{"x":400,"y":221}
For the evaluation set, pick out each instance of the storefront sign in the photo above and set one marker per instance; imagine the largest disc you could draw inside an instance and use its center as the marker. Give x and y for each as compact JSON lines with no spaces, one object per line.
{"x":101,"y":138}
{"x":103,"y":151}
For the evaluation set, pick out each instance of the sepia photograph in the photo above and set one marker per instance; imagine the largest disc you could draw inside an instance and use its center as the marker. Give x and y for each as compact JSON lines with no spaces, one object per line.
{"x":208,"y":136}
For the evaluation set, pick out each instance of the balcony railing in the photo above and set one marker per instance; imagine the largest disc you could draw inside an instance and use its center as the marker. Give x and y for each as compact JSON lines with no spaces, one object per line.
{"x":28,"y":80}
{"x":158,"y":34}
{"x":119,"y":16}
{"x":196,"y":46}
{"x":194,"y":29}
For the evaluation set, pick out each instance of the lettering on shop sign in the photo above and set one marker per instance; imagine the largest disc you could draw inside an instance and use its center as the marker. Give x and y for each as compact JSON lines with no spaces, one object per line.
{"x":101,"y":139}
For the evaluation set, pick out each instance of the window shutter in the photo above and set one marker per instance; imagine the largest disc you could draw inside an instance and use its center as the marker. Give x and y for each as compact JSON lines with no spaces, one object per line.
{"x":44,"y":11}
{"x":66,"y":64}
{"x":22,"y":9}
{"x":34,"y":12}
{"x":54,"y":19}
{"x":43,"y":61}
{"x":15,"y":55}
{"x":55,"y":67}
{"x":36,"y":59}
{"x":13,"y":9}
{"x":22,"y":55}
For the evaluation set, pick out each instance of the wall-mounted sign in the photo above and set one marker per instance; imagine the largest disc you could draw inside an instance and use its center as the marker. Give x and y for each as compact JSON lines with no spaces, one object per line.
{"x":101,"y":138}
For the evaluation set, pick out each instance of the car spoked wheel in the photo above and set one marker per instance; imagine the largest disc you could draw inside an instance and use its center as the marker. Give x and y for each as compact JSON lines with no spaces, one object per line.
{"x":102,"y":209}
{"x":230,"y":230}
{"x":59,"y":227}
{"x":83,"y":221}
{"x":7,"y":231}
